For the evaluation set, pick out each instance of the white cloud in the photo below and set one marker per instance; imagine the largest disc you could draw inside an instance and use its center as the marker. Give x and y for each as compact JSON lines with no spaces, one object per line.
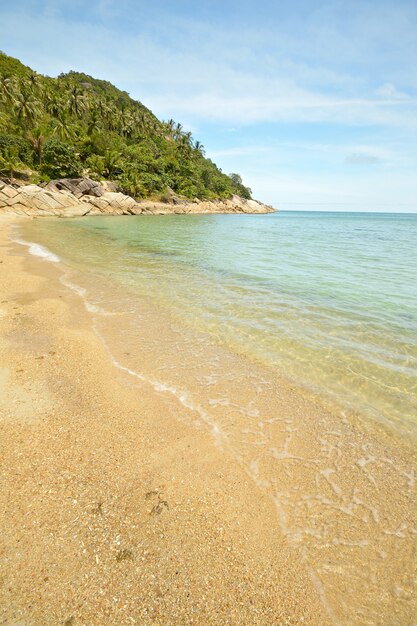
{"x":239,"y":151}
{"x":251,"y":99}
{"x":356,"y":158}
{"x":389,"y":91}
{"x":367,"y":155}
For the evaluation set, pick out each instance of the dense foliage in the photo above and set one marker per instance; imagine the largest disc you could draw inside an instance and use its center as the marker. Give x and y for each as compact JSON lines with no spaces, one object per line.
{"x":75,"y":124}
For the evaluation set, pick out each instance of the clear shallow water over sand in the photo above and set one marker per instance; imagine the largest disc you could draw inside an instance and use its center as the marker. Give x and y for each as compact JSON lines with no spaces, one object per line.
{"x":221,"y":314}
{"x":329,"y":299}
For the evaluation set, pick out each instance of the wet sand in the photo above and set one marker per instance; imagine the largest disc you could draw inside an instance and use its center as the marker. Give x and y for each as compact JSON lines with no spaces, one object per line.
{"x":119,"y":507}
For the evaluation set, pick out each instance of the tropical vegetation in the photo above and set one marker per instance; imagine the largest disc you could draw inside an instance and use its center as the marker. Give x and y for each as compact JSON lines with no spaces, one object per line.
{"x":77,"y":125}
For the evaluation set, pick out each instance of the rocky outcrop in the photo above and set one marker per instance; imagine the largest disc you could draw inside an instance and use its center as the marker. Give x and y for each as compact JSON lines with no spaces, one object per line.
{"x":34,"y":200}
{"x":233,"y":205}
{"x":82,"y":196}
{"x":78,"y":187}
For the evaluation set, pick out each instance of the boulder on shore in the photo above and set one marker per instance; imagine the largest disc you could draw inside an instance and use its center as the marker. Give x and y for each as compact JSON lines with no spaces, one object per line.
{"x":78,"y":187}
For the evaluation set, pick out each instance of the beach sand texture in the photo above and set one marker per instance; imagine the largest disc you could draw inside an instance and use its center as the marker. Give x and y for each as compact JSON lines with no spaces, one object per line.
{"x":118,"y":507}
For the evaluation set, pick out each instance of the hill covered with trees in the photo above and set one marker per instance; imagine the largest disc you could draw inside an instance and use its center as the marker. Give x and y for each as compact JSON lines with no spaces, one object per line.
{"x":77,"y":125}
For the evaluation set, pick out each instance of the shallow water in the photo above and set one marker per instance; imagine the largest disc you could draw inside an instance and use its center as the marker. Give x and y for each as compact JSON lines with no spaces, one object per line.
{"x":330,"y":299}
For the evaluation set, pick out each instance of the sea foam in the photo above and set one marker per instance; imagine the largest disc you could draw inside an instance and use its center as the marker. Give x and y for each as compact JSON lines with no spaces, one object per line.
{"x":40,"y":251}
{"x":80,"y":291}
{"x":180,"y":395}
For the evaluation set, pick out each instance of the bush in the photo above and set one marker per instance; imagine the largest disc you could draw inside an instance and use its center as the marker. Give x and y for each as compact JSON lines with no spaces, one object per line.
{"x":60,"y":160}
{"x":21,"y":147}
{"x":95,"y":166}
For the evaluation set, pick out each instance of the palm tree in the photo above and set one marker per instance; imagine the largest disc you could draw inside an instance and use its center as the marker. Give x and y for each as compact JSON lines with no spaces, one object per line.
{"x":54,"y":104}
{"x":178,"y":131}
{"x":184,"y":144}
{"x":37,"y":140}
{"x":132,"y":182}
{"x":198,"y":147}
{"x":76,"y":101}
{"x":34,"y":82}
{"x":128,"y":126}
{"x":27,"y":108}
{"x":93,"y":124}
{"x":139,"y":123}
{"x":107,"y":113}
{"x":62,"y":127}
{"x":111,"y":164}
{"x":101,"y":107}
{"x":7,"y":90}
{"x":121,"y":120}
{"x":169,"y":126}
{"x":112,"y":117}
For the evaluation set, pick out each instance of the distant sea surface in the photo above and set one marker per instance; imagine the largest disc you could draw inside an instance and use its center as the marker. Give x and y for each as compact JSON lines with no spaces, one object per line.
{"x":327,"y":299}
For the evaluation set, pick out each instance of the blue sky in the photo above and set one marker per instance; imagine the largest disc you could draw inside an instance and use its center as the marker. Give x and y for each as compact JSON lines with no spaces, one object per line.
{"x":313,"y":103}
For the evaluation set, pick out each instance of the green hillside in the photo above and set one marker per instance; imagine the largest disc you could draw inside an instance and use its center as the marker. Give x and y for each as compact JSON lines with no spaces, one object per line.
{"x":77,"y":125}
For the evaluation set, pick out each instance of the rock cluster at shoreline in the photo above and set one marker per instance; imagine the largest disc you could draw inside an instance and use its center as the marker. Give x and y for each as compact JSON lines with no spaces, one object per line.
{"x":83,"y":196}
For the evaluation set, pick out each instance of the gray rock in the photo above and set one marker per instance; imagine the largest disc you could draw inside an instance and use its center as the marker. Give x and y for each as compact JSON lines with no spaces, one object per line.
{"x":78,"y":187}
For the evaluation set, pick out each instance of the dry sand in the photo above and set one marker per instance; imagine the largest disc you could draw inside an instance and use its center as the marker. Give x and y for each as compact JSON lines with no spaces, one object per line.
{"x":111,"y":511}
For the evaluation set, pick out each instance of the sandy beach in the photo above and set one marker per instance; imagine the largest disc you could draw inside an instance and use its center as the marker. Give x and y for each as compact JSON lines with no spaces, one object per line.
{"x":113,"y":511}
{"x":116,"y":509}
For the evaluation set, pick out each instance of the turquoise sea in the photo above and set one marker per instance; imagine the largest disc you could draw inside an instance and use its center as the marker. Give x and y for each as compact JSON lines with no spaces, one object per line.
{"x":327,"y":299}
